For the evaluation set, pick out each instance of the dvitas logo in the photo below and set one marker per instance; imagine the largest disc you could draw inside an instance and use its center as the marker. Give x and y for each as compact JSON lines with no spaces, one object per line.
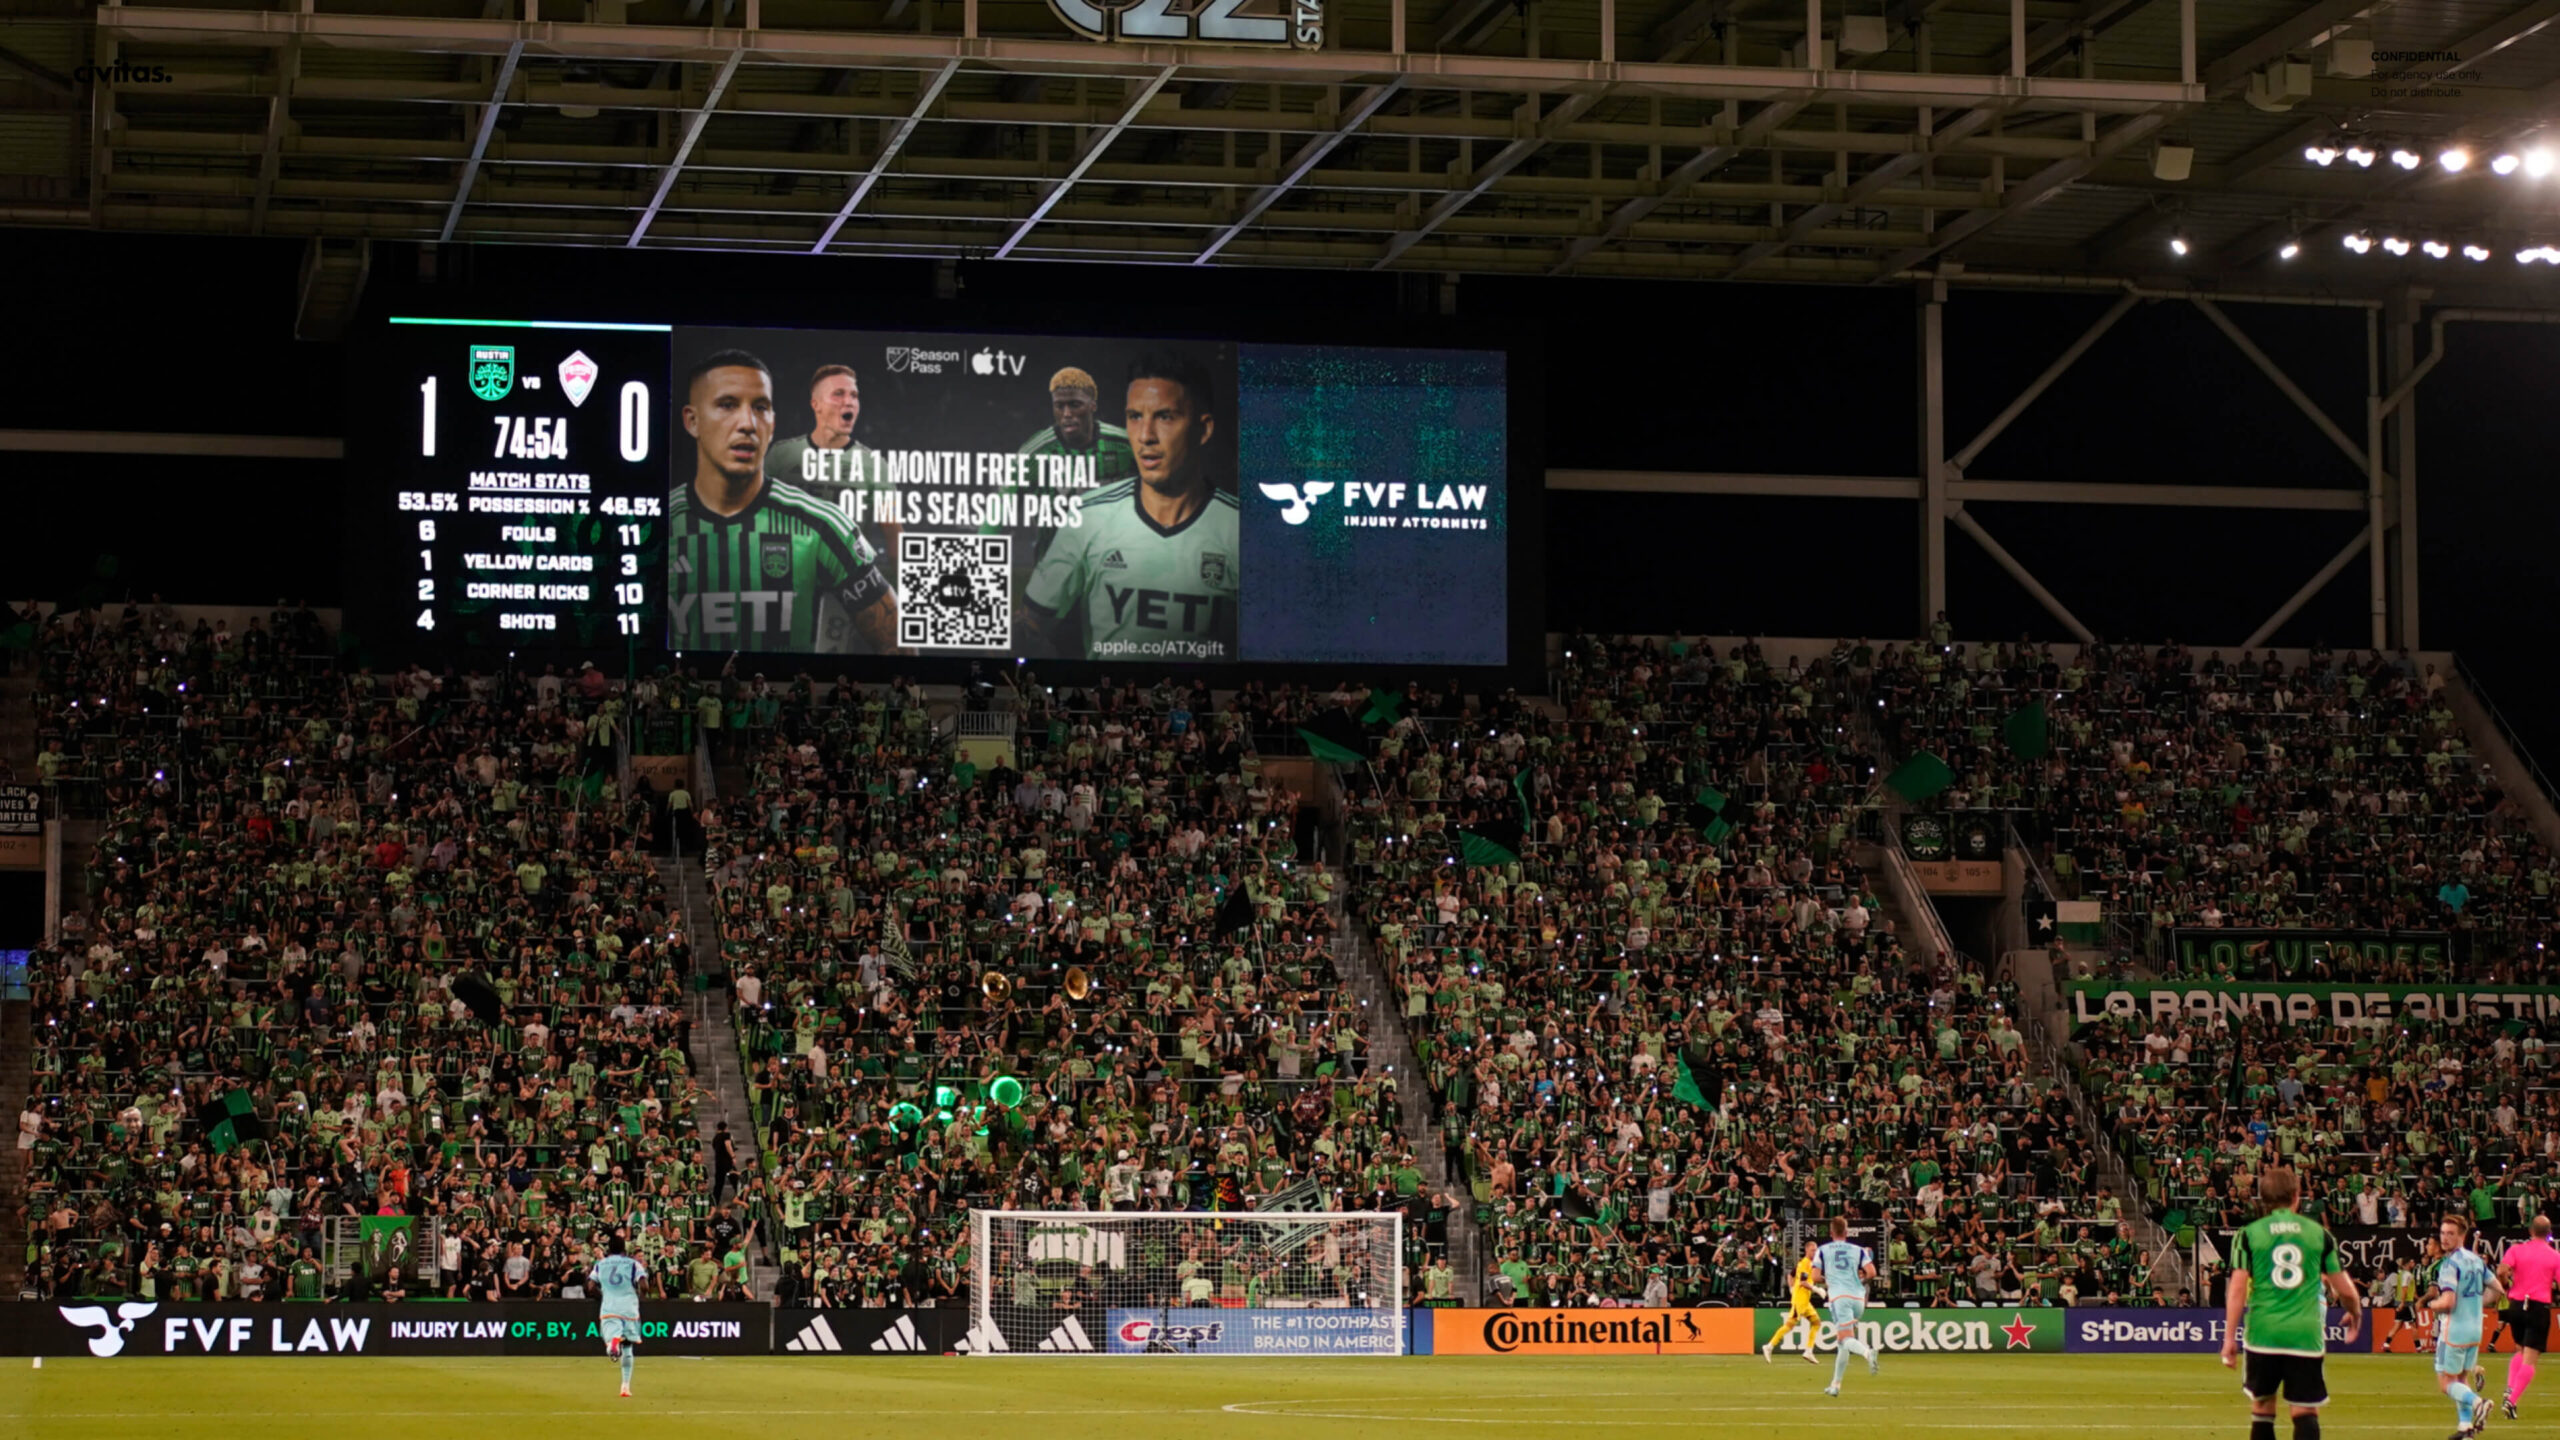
{"x":124,"y":72}
{"x":1298,"y":501}
{"x":111,"y":1328}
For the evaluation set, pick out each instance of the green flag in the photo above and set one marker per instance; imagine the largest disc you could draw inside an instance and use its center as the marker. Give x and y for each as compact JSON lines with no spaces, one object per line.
{"x":2026,"y":731}
{"x":1920,"y":777}
{"x":1712,"y":798}
{"x":1686,"y":1089}
{"x":1383,"y":705}
{"x":1520,"y":787}
{"x":1496,"y":842}
{"x":1324,"y":749}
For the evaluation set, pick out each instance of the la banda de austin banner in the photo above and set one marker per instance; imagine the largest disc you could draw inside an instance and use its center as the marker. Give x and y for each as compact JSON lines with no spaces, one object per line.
{"x":2312,"y":1004}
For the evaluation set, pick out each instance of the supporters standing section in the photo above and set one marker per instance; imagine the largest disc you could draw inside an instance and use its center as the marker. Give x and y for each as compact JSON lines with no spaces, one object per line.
{"x":389,"y":988}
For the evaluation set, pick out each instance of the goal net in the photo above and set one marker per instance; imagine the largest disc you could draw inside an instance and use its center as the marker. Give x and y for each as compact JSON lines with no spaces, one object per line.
{"x":1046,"y":1282}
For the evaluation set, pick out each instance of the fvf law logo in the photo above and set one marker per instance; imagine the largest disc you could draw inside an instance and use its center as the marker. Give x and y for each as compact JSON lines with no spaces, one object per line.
{"x":815,"y":1337}
{"x":111,"y":1328}
{"x":1297,"y":502}
{"x":899,"y":1337}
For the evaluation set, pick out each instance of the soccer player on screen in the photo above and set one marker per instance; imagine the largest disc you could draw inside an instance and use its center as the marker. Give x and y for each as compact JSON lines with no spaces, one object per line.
{"x":828,"y":462}
{"x":755,"y":563}
{"x":1800,"y":1311}
{"x":618,"y":1280}
{"x":1846,"y":1269}
{"x":1077,"y":429}
{"x":2463,"y":1283}
{"x":1151,"y":573}
{"x":2281,"y":1265}
{"x":2527,"y":1272}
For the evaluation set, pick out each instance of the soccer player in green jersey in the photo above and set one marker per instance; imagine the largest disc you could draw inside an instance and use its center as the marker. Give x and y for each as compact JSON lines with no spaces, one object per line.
{"x":1151,"y":571}
{"x":2281,"y":1267}
{"x":828,"y":462}
{"x":759,"y":564}
{"x":1077,"y":430}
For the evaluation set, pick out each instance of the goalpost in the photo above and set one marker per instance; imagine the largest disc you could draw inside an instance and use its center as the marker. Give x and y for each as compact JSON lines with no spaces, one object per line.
{"x":1075,"y":1282}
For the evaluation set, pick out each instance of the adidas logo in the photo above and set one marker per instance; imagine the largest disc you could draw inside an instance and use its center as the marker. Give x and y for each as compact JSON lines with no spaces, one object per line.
{"x":1114,"y":560}
{"x":1068,"y":1336}
{"x":983,"y":1339}
{"x":817,"y":1336}
{"x":901,"y":1336}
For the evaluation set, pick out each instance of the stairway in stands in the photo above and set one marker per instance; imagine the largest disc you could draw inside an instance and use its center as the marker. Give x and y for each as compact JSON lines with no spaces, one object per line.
{"x":716,"y":1061}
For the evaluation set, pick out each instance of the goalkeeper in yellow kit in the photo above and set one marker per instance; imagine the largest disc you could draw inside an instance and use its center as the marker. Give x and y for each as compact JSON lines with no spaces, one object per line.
{"x":1801,"y":1288}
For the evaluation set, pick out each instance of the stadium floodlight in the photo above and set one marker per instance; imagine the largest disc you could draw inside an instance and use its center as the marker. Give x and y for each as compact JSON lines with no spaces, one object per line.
{"x":2540,"y":161}
{"x":2406,"y":158}
{"x":2395,"y":244}
{"x":2506,"y":164}
{"x":2358,"y":156}
{"x":2435,"y":249}
{"x":2291,"y":248}
{"x":2475,"y":252}
{"x":2546,"y":254}
{"x":2323,"y":156}
{"x":2358,"y":241}
{"x":2454,"y":159}
{"x":2178,"y":242}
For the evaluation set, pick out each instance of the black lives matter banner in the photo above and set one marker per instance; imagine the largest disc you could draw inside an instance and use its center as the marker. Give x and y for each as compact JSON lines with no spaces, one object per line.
{"x":2291,"y":1004}
{"x":111,"y":1329}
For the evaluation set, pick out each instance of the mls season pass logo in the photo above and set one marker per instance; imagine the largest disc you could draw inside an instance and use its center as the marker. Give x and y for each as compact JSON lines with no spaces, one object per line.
{"x":577,"y":377}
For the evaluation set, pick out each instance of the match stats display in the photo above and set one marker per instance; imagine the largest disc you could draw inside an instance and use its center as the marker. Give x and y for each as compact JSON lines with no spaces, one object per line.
{"x":716,"y":490}
{"x":528,"y":500}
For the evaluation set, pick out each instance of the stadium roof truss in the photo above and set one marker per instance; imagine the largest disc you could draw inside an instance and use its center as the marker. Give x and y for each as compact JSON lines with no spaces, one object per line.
{"x":1661,"y":138}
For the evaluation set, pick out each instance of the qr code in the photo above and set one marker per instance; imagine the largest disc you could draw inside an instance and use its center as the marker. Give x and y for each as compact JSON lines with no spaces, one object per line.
{"x":955,"y":591}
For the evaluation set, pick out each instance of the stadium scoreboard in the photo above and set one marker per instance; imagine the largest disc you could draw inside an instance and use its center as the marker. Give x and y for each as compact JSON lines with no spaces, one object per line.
{"x":597,"y":487}
{"x":529,"y":499}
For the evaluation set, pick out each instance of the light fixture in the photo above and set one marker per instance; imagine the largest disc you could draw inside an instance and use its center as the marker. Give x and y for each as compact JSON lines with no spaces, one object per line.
{"x":2506,"y":164}
{"x":2406,"y":158}
{"x":2395,"y":245}
{"x":2539,"y":162}
{"x":2359,"y":156}
{"x":2359,"y":241}
{"x":2475,"y":252}
{"x":2454,"y":158}
{"x":2435,"y":249}
{"x":2178,"y":243}
{"x":2321,"y":155}
{"x":2544,"y":253}
{"x":2291,"y":249}
{"x":580,"y":112}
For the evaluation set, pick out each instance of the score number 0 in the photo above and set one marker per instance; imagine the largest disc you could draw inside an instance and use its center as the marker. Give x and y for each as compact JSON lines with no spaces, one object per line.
{"x":635,"y":419}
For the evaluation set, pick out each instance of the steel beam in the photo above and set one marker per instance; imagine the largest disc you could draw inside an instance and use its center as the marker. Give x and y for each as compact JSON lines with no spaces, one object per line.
{"x":480,"y":134}
{"x":2033,"y":191}
{"x":1504,"y":161}
{"x":1309,"y":156}
{"x":1092,"y":150}
{"x":2026,"y":578}
{"x":2302,"y":29}
{"x":1964,"y":458}
{"x":2356,"y":454}
{"x":891,"y":143}
{"x":2310,"y":587}
{"x":1859,"y":193}
{"x":1692,"y":170}
{"x":693,"y":128}
{"x":279,"y":120}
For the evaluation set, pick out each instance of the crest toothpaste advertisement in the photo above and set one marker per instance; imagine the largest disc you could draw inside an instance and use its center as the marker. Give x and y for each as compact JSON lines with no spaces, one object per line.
{"x":1214,"y":1331}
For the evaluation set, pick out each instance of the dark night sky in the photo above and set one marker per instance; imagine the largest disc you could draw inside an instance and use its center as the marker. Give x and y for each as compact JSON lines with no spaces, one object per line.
{"x":196,"y":336}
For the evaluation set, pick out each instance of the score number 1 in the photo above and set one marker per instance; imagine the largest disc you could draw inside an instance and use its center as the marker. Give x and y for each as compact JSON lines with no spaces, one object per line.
{"x":635,"y":422}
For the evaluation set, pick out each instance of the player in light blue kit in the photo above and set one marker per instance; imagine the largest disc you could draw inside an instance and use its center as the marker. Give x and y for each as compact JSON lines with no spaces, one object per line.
{"x":618,"y":1280}
{"x":1846,"y":1269}
{"x":2463,"y":1282}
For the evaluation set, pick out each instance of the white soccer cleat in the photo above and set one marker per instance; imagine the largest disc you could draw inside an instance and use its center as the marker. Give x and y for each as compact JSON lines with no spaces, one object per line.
{"x":1873,"y":1360}
{"x":1769,"y":1352}
{"x":626,"y":1392}
{"x":1810,"y":1358}
{"x":1831,"y":1390}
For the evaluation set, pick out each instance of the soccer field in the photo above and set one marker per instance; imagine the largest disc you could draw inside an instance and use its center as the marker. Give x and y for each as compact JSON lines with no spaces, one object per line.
{"x":946,"y":1398}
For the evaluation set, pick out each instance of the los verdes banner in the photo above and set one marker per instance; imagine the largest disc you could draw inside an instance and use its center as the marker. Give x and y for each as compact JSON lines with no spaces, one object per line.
{"x":2314,"y":1004}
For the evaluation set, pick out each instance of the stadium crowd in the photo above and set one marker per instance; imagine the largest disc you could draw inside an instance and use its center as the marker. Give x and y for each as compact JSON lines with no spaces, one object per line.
{"x":1099,"y":981}
{"x":264,"y":1024}
{"x":1686,"y":909}
{"x":2337,"y":794}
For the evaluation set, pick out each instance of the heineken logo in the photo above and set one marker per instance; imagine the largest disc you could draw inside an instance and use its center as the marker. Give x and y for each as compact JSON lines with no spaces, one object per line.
{"x":493,"y":371}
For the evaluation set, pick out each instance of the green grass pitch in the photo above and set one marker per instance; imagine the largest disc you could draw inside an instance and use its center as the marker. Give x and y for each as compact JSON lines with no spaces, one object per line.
{"x":944,"y":1398}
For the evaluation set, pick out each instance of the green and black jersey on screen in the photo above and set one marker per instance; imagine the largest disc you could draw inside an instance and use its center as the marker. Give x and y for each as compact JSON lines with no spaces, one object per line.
{"x":788,"y":573}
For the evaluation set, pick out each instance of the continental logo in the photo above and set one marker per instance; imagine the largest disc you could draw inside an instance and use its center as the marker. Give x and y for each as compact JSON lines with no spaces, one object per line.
{"x":1505,"y":1332}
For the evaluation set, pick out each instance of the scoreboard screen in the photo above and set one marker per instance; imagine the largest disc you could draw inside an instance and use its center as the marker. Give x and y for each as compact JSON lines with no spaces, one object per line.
{"x":592,"y":487}
{"x":528,"y":500}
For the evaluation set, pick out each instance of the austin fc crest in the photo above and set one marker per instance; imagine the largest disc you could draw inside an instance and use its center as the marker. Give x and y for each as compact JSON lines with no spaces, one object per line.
{"x":775,"y":557}
{"x":493,"y":371}
{"x":1213,"y":568}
